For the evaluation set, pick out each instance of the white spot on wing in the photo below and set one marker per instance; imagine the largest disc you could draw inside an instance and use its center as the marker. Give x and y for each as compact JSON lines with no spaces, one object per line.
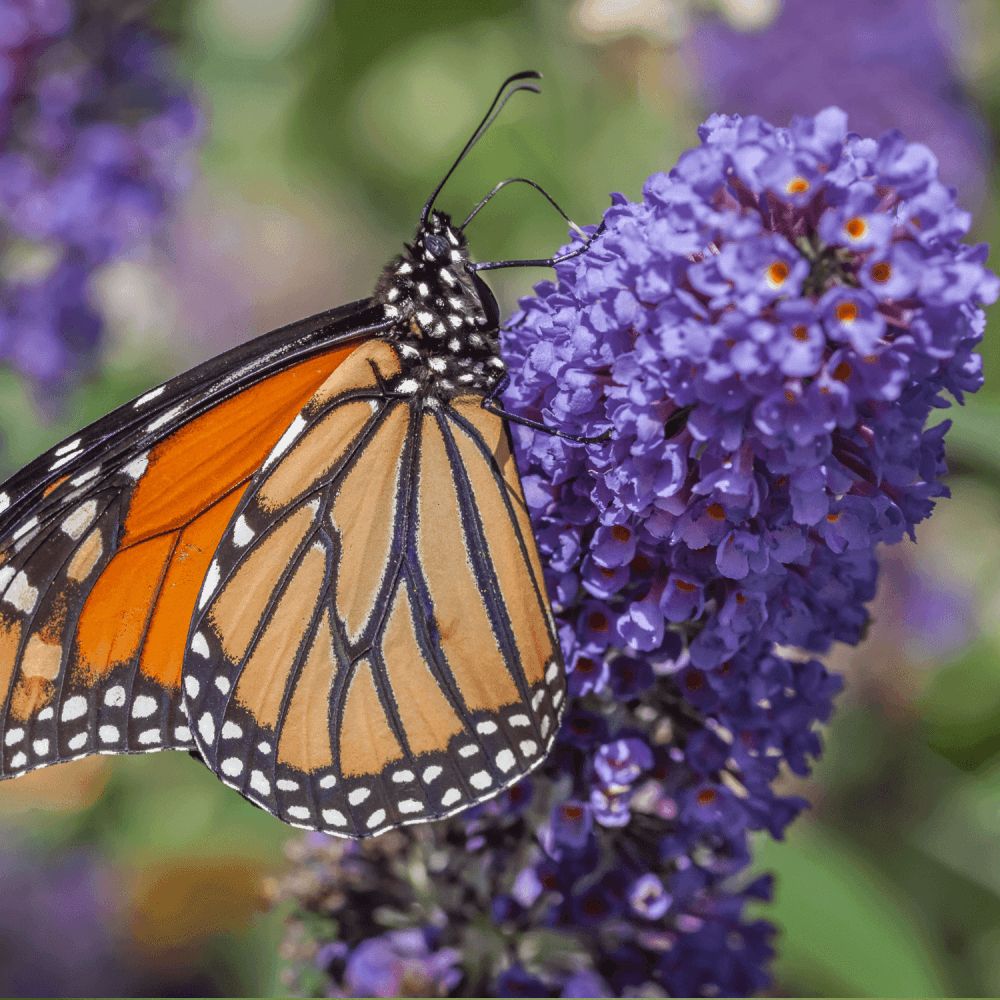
{"x":77,"y":741}
{"x":149,"y":736}
{"x":81,"y":518}
{"x":553,"y":672}
{"x":486,"y":728}
{"x":518,"y":720}
{"x":358,"y":796}
{"x":242,"y":532}
{"x":376,"y":817}
{"x":108,"y":734}
{"x":21,"y":594}
{"x":26,"y":527}
{"x":232,"y":767}
{"x":264,"y":747}
{"x":529,"y":748}
{"x":212,"y":578}
{"x":481,"y":780}
{"x":18,"y":760}
{"x":295,"y":428}
{"x":328,"y":782}
{"x":410,"y":806}
{"x":334,"y":817}
{"x":115,"y":697}
{"x":152,"y":394}
{"x":259,"y":783}
{"x":505,"y":760}
{"x":206,"y":727}
{"x":402,"y":776}
{"x":4,"y":502}
{"x":199,"y":645}
{"x":59,"y":463}
{"x":191,"y":685}
{"x":41,"y":747}
{"x":183,"y":734}
{"x":286,"y":785}
{"x":45,"y":714}
{"x":222,"y":683}
{"x":65,"y":449}
{"x":136,"y":467}
{"x":298,"y":812}
{"x":450,"y":797}
{"x":231,"y":731}
{"x":74,"y":708}
{"x":13,"y":736}
{"x":85,"y":477}
{"x":165,"y":418}
{"x":143,"y":707}
{"x":431,"y":773}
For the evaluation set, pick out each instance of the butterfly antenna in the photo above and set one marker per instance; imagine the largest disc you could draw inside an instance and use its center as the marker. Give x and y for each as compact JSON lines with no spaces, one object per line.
{"x":537,"y":187}
{"x":504,"y":94}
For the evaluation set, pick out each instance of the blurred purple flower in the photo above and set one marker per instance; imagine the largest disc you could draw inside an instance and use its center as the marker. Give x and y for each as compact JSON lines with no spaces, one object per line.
{"x":57,"y":929}
{"x":585,"y":984}
{"x":97,"y":141}
{"x":931,"y":619}
{"x":888,"y":65}
{"x":400,"y":964}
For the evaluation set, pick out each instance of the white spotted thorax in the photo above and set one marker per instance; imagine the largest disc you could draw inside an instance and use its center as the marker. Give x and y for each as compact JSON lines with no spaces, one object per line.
{"x":445,"y":321}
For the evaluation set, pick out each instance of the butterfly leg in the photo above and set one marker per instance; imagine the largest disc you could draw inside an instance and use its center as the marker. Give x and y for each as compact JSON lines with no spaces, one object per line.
{"x":546,"y":262}
{"x":492,"y":404}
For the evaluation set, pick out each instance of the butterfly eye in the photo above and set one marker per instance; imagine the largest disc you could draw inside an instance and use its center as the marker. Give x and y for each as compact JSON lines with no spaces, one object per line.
{"x":488,"y":301}
{"x":436,"y":245}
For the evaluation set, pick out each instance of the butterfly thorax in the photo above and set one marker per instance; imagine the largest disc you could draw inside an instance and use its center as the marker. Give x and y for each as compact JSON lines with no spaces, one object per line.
{"x":444,"y":318}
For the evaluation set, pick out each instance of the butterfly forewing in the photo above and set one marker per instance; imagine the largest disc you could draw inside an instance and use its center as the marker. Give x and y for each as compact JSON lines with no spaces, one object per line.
{"x":373,"y":646}
{"x":106,"y":540}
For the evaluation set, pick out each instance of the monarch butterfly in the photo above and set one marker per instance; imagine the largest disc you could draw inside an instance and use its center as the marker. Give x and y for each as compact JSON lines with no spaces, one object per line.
{"x":309,"y":561}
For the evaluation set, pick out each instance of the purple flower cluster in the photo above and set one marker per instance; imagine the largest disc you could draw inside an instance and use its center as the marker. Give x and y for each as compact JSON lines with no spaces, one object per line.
{"x":888,"y":65}
{"x":765,"y":336}
{"x":97,"y":144}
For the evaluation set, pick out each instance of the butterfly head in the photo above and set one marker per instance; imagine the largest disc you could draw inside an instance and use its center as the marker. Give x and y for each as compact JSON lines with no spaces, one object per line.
{"x":445,"y":319}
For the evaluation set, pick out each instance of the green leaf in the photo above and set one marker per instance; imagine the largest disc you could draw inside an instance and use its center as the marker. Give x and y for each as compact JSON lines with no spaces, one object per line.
{"x":847,"y":930}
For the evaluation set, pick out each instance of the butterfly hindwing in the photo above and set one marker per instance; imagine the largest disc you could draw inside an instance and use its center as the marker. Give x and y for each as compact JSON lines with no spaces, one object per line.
{"x":105,"y":540}
{"x":373,"y":645}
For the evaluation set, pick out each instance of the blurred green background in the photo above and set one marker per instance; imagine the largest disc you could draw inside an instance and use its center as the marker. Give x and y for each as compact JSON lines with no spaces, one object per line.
{"x":329,"y":124}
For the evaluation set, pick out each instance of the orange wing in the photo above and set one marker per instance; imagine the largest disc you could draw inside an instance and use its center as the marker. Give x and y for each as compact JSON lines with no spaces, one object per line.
{"x":106,"y":543}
